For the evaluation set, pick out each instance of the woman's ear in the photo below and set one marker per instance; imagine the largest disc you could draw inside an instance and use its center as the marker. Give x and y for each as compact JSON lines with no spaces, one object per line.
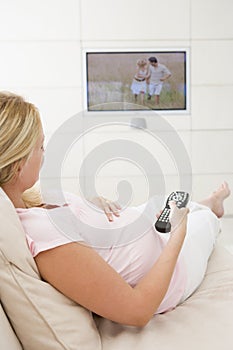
{"x":20,"y":167}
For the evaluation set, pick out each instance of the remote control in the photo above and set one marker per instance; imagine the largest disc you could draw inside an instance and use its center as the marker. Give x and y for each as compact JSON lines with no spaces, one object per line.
{"x":181,"y":198}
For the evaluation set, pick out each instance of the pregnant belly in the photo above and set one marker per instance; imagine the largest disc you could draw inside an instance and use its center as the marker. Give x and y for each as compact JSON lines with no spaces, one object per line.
{"x":132,"y":261}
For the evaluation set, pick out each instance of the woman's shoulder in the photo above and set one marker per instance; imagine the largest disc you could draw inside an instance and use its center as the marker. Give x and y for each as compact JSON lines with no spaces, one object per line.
{"x":60,"y":198}
{"x":53,"y":202}
{"x":49,"y":228}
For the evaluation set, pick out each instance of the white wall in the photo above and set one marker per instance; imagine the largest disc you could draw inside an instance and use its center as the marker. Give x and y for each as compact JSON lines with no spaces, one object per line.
{"x":41,"y":46}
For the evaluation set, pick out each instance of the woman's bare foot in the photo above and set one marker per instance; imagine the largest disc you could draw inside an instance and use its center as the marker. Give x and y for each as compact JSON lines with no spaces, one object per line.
{"x":216,"y":199}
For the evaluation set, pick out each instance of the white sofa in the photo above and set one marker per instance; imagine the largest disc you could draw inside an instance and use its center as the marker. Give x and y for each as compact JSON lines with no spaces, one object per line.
{"x":37,"y":317}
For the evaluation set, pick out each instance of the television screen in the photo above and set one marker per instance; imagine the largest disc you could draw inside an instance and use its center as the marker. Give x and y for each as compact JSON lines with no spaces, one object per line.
{"x":136,"y":80}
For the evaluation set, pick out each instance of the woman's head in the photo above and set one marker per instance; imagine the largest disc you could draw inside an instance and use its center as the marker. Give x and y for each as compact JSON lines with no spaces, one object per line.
{"x":20,"y":127}
{"x":141,"y":63}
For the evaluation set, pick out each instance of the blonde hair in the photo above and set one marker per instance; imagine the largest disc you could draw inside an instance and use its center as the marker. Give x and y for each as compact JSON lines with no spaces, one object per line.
{"x":141,"y":62}
{"x":20,"y":127}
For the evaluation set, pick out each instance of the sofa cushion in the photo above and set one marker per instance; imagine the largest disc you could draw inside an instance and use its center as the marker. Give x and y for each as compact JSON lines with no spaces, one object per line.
{"x":203,"y":321}
{"x":42,"y":317}
{"x":8,"y":339}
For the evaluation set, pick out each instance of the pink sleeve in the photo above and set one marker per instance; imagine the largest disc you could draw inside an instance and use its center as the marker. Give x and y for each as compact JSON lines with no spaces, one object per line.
{"x":42,"y":233}
{"x":31,"y":244}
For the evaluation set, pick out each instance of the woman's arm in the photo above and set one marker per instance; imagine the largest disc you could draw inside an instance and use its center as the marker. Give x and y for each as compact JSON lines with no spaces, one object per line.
{"x":81,"y":274}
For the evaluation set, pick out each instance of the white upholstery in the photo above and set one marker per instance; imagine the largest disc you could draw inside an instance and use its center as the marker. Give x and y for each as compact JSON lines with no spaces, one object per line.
{"x":8,"y":339}
{"x":203,"y":322}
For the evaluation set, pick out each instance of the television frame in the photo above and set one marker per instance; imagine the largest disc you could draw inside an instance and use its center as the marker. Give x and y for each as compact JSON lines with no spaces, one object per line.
{"x":181,"y":105}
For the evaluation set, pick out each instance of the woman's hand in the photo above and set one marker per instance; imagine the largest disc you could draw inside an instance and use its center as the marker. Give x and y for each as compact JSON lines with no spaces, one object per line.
{"x":110,"y":208}
{"x":177,"y":216}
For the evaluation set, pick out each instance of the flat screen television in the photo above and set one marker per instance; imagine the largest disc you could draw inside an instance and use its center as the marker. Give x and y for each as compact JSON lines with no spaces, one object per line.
{"x":155,"y":80}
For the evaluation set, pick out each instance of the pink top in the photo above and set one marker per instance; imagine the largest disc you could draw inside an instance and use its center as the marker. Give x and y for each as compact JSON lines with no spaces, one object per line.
{"x":131,"y":255}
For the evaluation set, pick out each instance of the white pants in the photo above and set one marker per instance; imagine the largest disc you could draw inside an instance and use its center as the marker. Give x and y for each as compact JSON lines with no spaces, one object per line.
{"x":202,"y":230}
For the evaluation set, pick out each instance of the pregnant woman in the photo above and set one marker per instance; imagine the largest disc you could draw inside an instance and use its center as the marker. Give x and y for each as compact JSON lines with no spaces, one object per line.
{"x":126,"y":283}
